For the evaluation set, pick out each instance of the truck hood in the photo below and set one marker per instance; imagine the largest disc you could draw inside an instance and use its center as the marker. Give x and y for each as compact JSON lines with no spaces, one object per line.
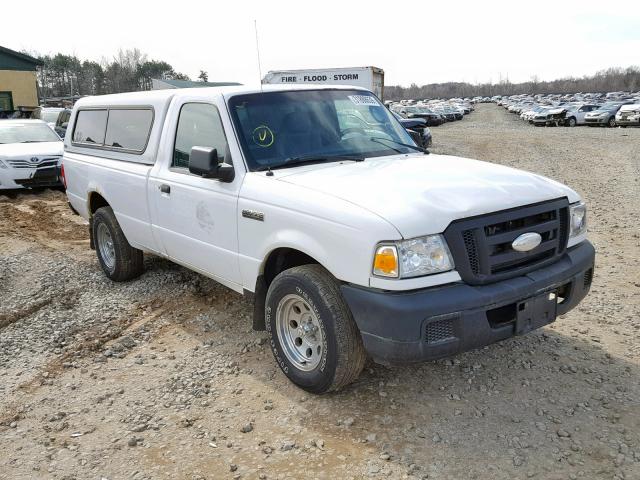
{"x":28,"y":150}
{"x":422,"y":194}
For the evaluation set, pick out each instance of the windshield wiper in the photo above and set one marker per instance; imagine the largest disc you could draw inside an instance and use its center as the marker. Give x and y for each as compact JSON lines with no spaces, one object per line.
{"x":32,"y":141}
{"x":302,"y":159}
{"x":413,"y":147}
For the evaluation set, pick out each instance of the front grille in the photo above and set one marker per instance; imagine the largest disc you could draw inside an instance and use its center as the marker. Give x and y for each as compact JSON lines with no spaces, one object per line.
{"x":482,"y":246}
{"x":472,"y":250}
{"x":439,"y":330}
{"x":41,"y":163}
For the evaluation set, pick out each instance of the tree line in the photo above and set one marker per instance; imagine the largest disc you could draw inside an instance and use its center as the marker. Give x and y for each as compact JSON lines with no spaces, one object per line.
{"x":130,"y":70}
{"x":609,"y":80}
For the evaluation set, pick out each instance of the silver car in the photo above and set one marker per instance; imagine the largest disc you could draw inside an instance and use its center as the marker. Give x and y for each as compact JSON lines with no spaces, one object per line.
{"x":575,"y":114}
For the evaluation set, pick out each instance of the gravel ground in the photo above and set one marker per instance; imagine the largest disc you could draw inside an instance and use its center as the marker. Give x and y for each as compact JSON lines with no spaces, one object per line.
{"x":162,"y":377}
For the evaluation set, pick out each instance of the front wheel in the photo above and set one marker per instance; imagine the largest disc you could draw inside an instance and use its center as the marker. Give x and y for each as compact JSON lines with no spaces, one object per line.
{"x":314,"y":338}
{"x":612,"y":122}
{"x":571,"y":122}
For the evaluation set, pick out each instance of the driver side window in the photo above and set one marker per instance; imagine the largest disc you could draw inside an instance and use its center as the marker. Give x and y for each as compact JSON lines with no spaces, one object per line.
{"x":199,"y":125}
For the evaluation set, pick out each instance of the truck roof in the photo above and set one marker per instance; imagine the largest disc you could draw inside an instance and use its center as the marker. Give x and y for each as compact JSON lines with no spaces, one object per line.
{"x":152,"y":97}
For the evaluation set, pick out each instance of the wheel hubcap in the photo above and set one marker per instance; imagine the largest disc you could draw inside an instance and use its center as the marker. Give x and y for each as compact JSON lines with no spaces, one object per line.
{"x":105,"y":245}
{"x":299,"y":331}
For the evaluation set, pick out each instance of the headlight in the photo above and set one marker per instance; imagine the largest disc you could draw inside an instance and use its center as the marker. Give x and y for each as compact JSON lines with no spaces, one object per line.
{"x":578,"y":219}
{"x":2,"y":164}
{"x":413,"y":258}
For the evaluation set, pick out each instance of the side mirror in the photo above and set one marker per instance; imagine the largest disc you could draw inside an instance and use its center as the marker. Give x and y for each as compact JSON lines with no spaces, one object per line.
{"x":203,"y":161}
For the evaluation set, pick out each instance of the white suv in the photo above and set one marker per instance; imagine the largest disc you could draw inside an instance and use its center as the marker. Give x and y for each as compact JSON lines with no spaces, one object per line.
{"x":351,"y":240}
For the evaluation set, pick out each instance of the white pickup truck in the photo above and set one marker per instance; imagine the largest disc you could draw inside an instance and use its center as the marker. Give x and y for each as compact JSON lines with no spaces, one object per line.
{"x":352,"y":240}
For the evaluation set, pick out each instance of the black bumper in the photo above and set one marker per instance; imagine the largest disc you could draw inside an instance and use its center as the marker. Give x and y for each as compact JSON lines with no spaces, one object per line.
{"x":408,"y":327}
{"x":43,"y":177}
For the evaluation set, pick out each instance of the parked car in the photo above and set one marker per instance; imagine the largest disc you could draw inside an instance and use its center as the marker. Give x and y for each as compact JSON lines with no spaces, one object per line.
{"x":628,"y":115}
{"x":575,"y":114}
{"x":448,"y":114}
{"x":531,"y":112}
{"x":62,"y":122}
{"x":432,"y":118}
{"x":417,"y":128}
{"x":350,"y":243}
{"x":47,"y":114}
{"x":30,"y":154}
{"x":604,"y":115}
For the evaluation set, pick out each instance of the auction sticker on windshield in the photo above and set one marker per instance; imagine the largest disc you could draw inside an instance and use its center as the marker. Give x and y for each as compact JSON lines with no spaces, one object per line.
{"x":364,"y":100}
{"x":263,"y":136}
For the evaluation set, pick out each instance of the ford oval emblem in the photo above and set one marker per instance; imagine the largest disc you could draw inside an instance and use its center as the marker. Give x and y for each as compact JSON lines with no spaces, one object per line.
{"x":526,"y":242}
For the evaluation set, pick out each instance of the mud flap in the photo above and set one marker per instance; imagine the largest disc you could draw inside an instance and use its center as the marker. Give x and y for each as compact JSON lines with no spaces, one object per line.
{"x":92,"y":243}
{"x":259,"y":298}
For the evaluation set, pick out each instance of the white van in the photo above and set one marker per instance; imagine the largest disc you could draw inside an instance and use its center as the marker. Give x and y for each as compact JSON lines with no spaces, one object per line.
{"x":314,"y":200}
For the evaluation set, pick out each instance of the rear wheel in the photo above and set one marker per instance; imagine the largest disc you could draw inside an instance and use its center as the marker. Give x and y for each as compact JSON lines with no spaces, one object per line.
{"x":118,"y":259}
{"x":314,"y":338}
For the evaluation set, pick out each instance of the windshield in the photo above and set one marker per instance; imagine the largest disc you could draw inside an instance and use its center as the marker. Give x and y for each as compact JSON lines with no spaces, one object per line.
{"x":276,"y":127}
{"x":27,"y":133}
{"x":49,"y":116}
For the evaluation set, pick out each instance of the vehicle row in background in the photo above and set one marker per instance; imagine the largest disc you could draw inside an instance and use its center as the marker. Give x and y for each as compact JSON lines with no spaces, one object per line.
{"x":433,"y":112}
{"x":592,"y":109}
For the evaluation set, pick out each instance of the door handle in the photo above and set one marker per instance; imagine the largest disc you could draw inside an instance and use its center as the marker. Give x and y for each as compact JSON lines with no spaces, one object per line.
{"x":165,"y":189}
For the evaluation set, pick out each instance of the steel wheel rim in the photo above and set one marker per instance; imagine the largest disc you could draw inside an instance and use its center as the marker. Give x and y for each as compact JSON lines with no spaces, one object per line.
{"x":106,"y":247}
{"x":300,"y":333}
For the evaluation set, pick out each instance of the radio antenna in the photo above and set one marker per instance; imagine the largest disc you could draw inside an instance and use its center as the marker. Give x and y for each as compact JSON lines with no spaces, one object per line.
{"x":255,"y":26}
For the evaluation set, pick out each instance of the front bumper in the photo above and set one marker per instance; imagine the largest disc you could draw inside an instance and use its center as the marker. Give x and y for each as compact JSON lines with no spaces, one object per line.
{"x":40,"y":177}
{"x":625,"y":122}
{"x":596,"y":120}
{"x":420,"y":325}
{"x":540,"y":120}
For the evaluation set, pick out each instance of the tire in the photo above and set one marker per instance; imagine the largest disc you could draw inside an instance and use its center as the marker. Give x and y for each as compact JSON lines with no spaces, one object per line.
{"x":571,"y":122}
{"x":119,"y":260}
{"x":331,"y":355}
{"x":612,"y":122}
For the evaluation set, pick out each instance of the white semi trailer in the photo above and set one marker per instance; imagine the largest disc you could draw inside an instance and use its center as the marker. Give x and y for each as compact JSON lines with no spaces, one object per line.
{"x":371,"y":78}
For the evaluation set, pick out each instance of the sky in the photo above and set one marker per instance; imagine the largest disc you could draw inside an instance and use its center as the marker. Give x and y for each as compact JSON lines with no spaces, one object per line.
{"x":415,"y":41}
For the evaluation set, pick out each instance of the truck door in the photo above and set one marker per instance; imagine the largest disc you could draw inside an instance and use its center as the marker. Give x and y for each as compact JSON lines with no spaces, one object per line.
{"x":195,"y":218}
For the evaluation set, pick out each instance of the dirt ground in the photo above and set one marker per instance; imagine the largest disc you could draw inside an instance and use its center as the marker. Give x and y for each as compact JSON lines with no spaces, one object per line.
{"x":163,"y":377}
